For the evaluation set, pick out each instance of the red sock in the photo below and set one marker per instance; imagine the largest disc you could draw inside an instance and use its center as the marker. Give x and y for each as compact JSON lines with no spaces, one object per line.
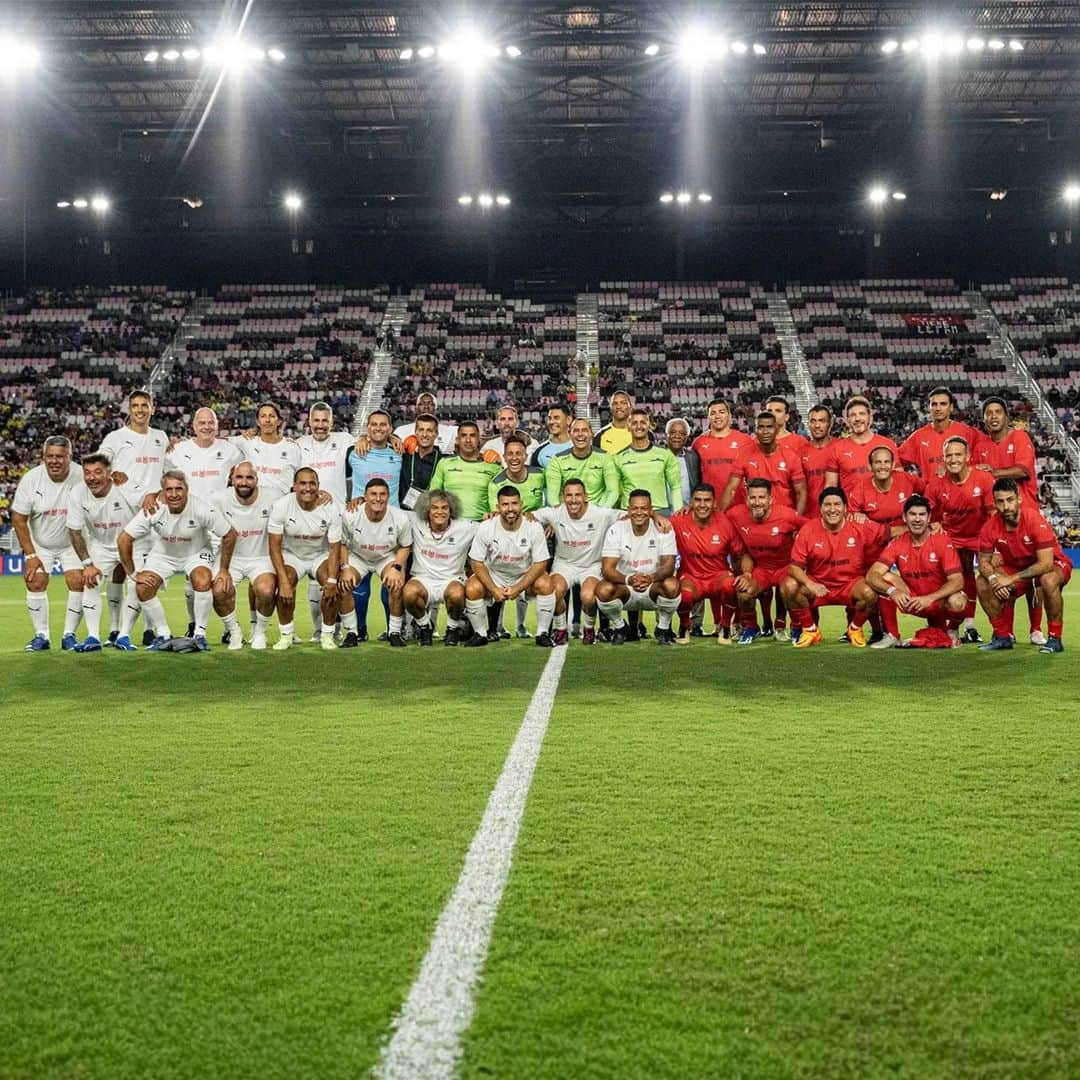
{"x":875,"y":622}
{"x":953,"y":621}
{"x":686,"y":602}
{"x":765,"y":600}
{"x":781,"y":612}
{"x":1054,"y":627}
{"x":969,"y":592}
{"x":859,"y":618}
{"x":802,"y":617}
{"x":849,"y":614}
{"x":1008,"y":613}
{"x":748,"y":618}
{"x":888,"y":616}
{"x":1000,"y":626}
{"x":1035,"y":613}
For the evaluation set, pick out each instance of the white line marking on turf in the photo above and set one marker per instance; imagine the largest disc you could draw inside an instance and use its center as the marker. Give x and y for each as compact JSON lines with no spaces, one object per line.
{"x":426,"y":1040}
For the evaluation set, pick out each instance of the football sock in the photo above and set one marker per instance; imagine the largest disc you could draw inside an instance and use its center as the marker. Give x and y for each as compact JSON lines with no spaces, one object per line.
{"x":475,"y":611}
{"x":348,"y":620}
{"x":38,"y":606}
{"x":888,"y":611}
{"x":189,"y":600}
{"x":73,"y":612}
{"x":394,"y":623}
{"x":765,"y":600}
{"x":612,"y":610}
{"x":858,"y":619}
{"x":559,"y":621}
{"x":114,"y":596}
{"x":522,"y":610}
{"x":1035,"y":613}
{"x":665,"y":608}
{"x":155,"y":615}
{"x":1054,"y":627}
{"x":545,"y":612}
{"x":91,"y":609}
{"x":314,"y":599}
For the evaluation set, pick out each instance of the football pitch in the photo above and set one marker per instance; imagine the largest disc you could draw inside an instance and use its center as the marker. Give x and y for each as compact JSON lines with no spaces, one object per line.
{"x":749,"y":862}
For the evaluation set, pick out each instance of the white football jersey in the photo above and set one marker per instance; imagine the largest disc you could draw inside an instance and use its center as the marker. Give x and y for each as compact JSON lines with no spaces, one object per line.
{"x":206,"y":467}
{"x":446,"y":440}
{"x":139,"y":457}
{"x":305,"y":534}
{"x":179,"y":536}
{"x":250,"y":521}
{"x":373,"y":542}
{"x":327,"y":458}
{"x":274,"y":463}
{"x":638,"y":554}
{"x":580,"y":542}
{"x":102,"y":520}
{"x":441,"y":556}
{"x":45,"y":505}
{"x":509,"y":554}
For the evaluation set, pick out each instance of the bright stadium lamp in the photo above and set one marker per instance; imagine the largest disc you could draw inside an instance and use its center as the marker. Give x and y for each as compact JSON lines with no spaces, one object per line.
{"x":63,"y":204}
{"x":405,"y":54}
{"x":740,"y":48}
{"x":152,"y":56}
{"x":465,"y":200}
{"x":704,"y":197}
{"x":502,"y":200}
{"x":683,"y":198}
{"x":954,"y":44}
{"x":976,"y":44}
{"x":759,"y":49}
{"x":667,"y":197}
{"x":79,"y":204}
{"x":910,"y":45}
{"x":292,"y":201}
{"x":99,"y":204}
{"x":16,"y":56}
{"x":932,"y":44}
{"x":877,"y":195}
{"x":1071,"y":192}
{"x":467,"y":48}
{"x":995,"y":44}
{"x":652,"y":49}
{"x":276,"y":54}
{"x":485,"y":200}
{"x":899,"y":196}
{"x":171,"y":55}
{"x":512,"y":51}
{"x":233,"y":54}
{"x":698,"y":47}
{"x":191,"y":54}
{"x":1016,"y":46}
{"x":426,"y":52}
{"x":890,"y":46}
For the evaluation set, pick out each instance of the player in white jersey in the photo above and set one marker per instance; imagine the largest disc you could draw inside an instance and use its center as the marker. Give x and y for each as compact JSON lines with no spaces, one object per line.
{"x":137,"y":451}
{"x":98,"y":510}
{"x":181,"y":531}
{"x":275,"y":458}
{"x":377,"y":539}
{"x":638,"y":562}
{"x":247,"y":510}
{"x":509,"y":557}
{"x":325,"y":450}
{"x":507,"y":423}
{"x":579,"y":529}
{"x":39,"y":517}
{"x":441,"y":540}
{"x":305,"y":541}
{"x":425,"y":403}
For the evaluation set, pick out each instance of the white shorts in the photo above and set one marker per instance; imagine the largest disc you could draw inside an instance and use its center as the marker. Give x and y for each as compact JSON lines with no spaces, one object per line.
{"x":304,"y":569}
{"x":436,"y":587}
{"x":247,"y":568}
{"x":575,"y":575}
{"x":364,"y":568}
{"x":106,"y":561}
{"x":639,"y":601}
{"x":63,"y":557}
{"x":165,"y":567}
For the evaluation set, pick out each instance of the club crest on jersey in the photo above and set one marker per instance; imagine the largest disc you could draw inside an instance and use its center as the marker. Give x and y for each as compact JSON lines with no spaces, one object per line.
{"x":775,"y":530}
{"x":933,"y":557}
{"x":976,"y":491}
{"x":652,"y":543}
{"x":851,"y":541}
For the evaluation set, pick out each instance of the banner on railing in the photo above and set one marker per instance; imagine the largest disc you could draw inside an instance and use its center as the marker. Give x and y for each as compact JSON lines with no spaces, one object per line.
{"x":14,"y":566}
{"x":935,"y":324}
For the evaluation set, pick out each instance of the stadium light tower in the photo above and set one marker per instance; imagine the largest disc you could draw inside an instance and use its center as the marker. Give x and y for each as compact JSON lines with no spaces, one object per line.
{"x":293,"y":202}
{"x":100,"y":205}
{"x":1071,"y":193}
{"x":18,"y":56}
{"x":877,"y":195}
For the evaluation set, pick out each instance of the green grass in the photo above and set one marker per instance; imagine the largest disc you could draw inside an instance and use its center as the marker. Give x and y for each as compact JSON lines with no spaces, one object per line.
{"x":746,"y":862}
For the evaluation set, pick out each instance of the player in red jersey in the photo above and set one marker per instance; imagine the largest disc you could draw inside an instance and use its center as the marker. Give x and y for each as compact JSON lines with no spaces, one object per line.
{"x":719,"y":446}
{"x":767,"y":531}
{"x":828,"y":560}
{"x":1019,"y":552}
{"x":924,"y":447}
{"x":707,"y":543}
{"x":962,"y":500}
{"x":918,"y":573}
{"x":853,"y":452}
{"x":819,"y":454}
{"x":780,"y":408}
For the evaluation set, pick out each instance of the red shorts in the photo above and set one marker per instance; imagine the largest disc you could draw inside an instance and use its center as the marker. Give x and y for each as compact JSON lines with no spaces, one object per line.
{"x":717,"y":587}
{"x":836,"y":598}
{"x":1022,"y":588}
{"x":767,"y":578}
{"x":937,"y":610}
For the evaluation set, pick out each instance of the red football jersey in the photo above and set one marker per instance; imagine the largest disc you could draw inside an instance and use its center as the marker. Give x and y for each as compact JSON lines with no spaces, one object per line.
{"x":1018,"y":547}
{"x":769,"y":541}
{"x":816,"y":462}
{"x":836,"y":559}
{"x":1015,"y":450}
{"x":962,"y":508}
{"x":783,"y":467}
{"x":718,"y":456}
{"x":794,"y":441}
{"x":884,"y":507}
{"x":704,"y":549}
{"x":923,"y":448}
{"x":853,"y":459}
{"x":924,"y":567}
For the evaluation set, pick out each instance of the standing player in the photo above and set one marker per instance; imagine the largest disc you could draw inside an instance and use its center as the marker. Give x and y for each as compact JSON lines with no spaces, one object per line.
{"x":638,"y":563}
{"x":780,"y":409}
{"x":527,"y":480}
{"x":962,"y":500}
{"x":924,"y":447}
{"x":819,"y":454}
{"x":418,"y":461}
{"x":645,"y":467}
{"x":508,"y":557}
{"x":558,"y":440}
{"x":326,"y":450}
{"x":1018,"y":552}
{"x":828,"y":561}
{"x":918,"y":573}
{"x":428,"y":405}
{"x":247,"y":510}
{"x":853,"y":451}
{"x":467,"y":475}
{"x":766,"y":459}
{"x":181,"y":531}
{"x":376,"y":539}
{"x":39,"y":513}
{"x":507,"y":423}
{"x":305,"y":541}
{"x":719,"y":447}
{"x":441,"y":540}
{"x":99,"y":509}
{"x":594,"y":468}
{"x":707,"y":544}
{"x":615,"y":436}
{"x":274,"y":457}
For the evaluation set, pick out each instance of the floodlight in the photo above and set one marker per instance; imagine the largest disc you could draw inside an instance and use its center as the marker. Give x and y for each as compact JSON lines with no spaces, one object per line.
{"x":1016,"y":46}
{"x":704,"y":196}
{"x":18,"y":55}
{"x":697,"y":47}
{"x":191,"y":54}
{"x":464,"y":200}
{"x":890,"y":46}
{"x":233,"y":54}
{"x":152,"y":56}
{"x":405,"y":54}
{"x":293,"y":201}
{"x":995,"y":44}
{"x":976,"y":44}
{"x":99,"y":204}
{"x":683,"y":198}
{"x":485,"y":199}
{"x":910,"y":45}
{"x":170,"y":55}
{"x":739,"y":48}
{"x":276,"y":54}
{"x":467,"y":48}
{"x":63,"y":204}
{"x":513,"y":51}
{"x":667,"y":197}
{"x":759,"y":49}
{"x":954,"y":44}
{"x":652,"y":49}
{"x":877,"y":195}
{"x":899,"y":196}
{"x":425,"y":52}
{"x":999,"y":195}
{"x":79,"y":204}
{"x":932,"y":44}
{"x":1071,"y":193}
{"x":502,"y":200}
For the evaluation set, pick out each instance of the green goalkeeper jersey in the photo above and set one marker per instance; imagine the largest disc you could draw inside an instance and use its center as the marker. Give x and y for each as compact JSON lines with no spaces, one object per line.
{"x":596,"y":471}
{"x":655,"y":470}
{"x":470,"y":481}
{"x":531,"y":489}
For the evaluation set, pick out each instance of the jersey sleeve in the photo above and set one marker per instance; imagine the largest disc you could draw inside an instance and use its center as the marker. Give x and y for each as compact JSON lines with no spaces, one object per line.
{"x":23,"y":502}
{"x":75,"y":518}
{"x":987,"y":539}
{"x":1025,"y":454}
{"x":279,"y":513}
{"x":612,"y":544}
{"x":405,"y":534}
{"x":545,"y":514}
{"x":478,"y":549}
{"x":1042,"y":535}
{"x":800,"y":549}
{"x":610,"y":497}
{"x":798,"y":473}
{"x":666,"y":545}
{"x":539,"y":542}
{"x":907,"y":451}
{"x":673,"y":477}
{"x":553,"y":481}
{"x":738,"y":466}
{"x":333,"y":533}
{"x":139,"y":525}
{"x":950,"y":561}
{"x":888,"y":554}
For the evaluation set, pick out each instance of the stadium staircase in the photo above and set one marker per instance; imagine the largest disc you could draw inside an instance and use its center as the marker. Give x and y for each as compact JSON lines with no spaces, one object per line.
{"x":588,"y":355}
{"x":792,"y":351}
{"x":1066,"y":490}
{"x":382,"y":365}
{"x":176,"y":351}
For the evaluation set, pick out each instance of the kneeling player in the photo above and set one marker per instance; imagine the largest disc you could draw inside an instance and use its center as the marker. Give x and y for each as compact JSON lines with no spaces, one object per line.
{"x":377,"y":539}
{"x":828,"y":560}
{"x":305,"y":541}
{"x":1019,"y":552}
{"x":639,"y":571}
{"x":441,"y":540}
{"x":918,"y":573}
{"x":509,"y":559}
{"x":181,"y":529}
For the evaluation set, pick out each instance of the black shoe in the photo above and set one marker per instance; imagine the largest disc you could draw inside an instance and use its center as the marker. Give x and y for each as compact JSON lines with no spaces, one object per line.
{"x":452,"y":636}
{"x":494,"y":637}
{"x":504,"y":635}
{"x":147,"y":638}
{"x":842,"y":639}
{"x":396,"y":641}
{"x":423,"y":636}
{"x":361,"y":633}
{"x":665,"y":637}
{"x":642,"y":632}
{"x":544,"y":641}
{"x":971,"y":636}
{"x":696,"y":631}
{"x":876,"y":636}
{"x":477,"y":641}
{"x":349,"y":641}
{"x":224,"y":637}
{"x":384,"y":636}
{"x":191,"y":630}
{"x":768,"y":632}
{"x":618,"y":636}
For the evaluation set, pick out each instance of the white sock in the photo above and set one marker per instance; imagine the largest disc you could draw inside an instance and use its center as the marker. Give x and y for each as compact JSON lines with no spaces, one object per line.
{"x":314,"y":599}
{"x":590,"y":620}
{"x":348,"y":620}
{"x":73,"y":612}
{"x":91,"y":609}
{"x":476,"y":613}
{"x":155,"y":616}
{"x":189,"y":601}
{"x":545,"y":612}
{"x":452,"y":623}
{"x":132,"y":607}
{"x":231,"y":623}
{"x":261,"y":621}
{"x":286,"y":629}
{"x":328,"y":629}
{"x":424,"y":620}
{"x":114,"y":595}
{"x":37,"y":604}
{"x":559,"y":622}
{"x":613,"y":609}
{"x":522,"y":605}
{"x":204,"y":605}
{"x":665,"y":608}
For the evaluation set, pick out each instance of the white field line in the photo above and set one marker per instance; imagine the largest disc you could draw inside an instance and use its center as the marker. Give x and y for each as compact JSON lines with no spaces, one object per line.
{"x":426,"y":1035}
